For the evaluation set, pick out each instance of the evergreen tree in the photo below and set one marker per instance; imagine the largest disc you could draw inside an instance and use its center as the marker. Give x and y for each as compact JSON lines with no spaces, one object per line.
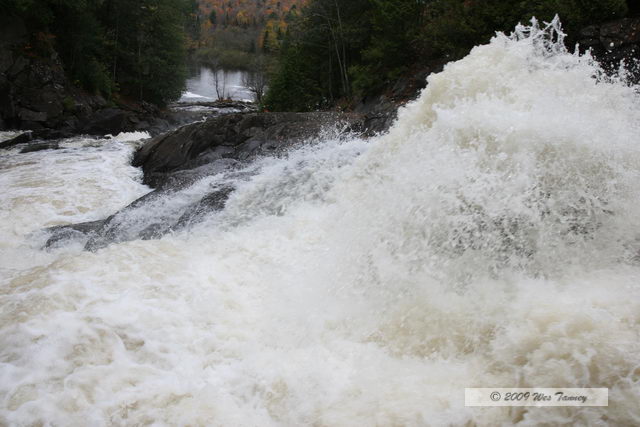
{"x":342,"y":48}
{"x":135,"y":46}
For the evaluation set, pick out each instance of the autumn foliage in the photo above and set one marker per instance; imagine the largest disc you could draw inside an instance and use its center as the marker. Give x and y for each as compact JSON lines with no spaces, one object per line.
{"x":267,"y":19}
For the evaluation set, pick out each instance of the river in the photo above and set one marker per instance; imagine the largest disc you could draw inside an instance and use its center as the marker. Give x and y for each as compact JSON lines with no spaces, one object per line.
{"x":491,"y":238}
{"x":206,"y":84}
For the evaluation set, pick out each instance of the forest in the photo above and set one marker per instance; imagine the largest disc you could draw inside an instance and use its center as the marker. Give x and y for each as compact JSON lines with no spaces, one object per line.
{"x":340,"y":50}
{"x":130,"y":49}
{"x":238,"y":34}
{"x":316,"y":53}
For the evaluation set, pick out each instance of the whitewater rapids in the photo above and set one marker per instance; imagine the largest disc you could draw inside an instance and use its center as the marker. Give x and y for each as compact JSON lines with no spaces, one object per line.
{"x":490,"y":239}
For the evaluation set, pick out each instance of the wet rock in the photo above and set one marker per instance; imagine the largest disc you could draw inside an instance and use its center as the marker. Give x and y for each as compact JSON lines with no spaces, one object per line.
{"x":32,"y":116}
{"x":40,"y":147}
{"x":65,"y":234}
{"x":128,"y":224}
{"x":183,"y":178}
{"x":235,"y":136}
{"x":176,"y":161}
{"x":379,"y":113}
{"x":107,"y":121}
{"x":155,"y":127}
{"x":32,"y":126}
{"x":20,"y":139}
{"x":36,"y":135}
{"x":137,"y":222}
{"x":154,"y":231}
{"x":212,"y":202}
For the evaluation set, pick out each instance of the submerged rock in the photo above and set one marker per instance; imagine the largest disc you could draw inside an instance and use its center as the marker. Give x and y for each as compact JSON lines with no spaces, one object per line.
{"x":38,"y":137}
{"x":64,"y":234}
{"x":40,"y":147}
{"x":143,"y":219}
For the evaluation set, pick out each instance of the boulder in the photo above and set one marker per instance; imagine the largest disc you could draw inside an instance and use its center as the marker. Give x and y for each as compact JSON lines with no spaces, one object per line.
{"x":20,"y":139}
{"x":235,"y":136}
{"x":47,"y":100}
{"x":41,"y":146}
{"x":64,"y":234}
{"x":32,"y":116}
{"x":137,"y":221}
{"x":107,"y":121}
{"x":37,"y":137}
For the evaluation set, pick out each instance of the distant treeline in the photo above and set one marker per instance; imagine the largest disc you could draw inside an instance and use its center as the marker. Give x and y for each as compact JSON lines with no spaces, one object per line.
{"x":344,"y":49}
{"x":130,"y":48}
{"x":234,"y":32}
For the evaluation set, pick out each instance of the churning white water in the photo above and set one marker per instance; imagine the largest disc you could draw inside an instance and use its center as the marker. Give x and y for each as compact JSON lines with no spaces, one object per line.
{"x":490,"y":239}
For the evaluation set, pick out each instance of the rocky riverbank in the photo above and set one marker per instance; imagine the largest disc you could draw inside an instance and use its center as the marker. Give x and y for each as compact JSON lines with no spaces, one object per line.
{"x":37,"y":96}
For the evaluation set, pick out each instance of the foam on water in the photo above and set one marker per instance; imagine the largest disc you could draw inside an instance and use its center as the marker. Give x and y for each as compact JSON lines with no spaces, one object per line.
{"x":87,"y":179}
{"x":188,"y":94}
{"x":491,"y":238}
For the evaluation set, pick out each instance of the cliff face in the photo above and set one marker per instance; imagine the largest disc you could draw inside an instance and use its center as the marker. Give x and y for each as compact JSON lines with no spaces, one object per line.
{"x":34,"y":91}
{"x":35,"y":94}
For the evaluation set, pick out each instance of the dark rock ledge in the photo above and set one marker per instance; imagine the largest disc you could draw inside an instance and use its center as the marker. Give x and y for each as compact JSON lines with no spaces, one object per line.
{"x":174,"y":161}
{"x":232,"y":136}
